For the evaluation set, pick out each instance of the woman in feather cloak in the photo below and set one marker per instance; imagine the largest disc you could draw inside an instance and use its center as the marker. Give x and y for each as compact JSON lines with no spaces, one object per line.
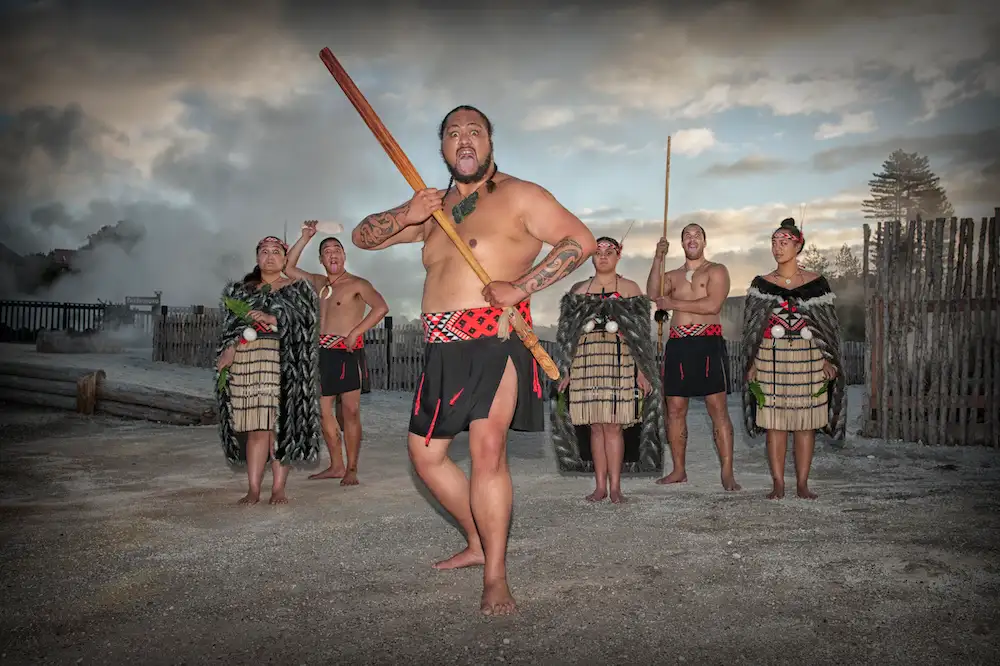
{"x":795,"y":372}
{"x":607,"y":361}
{"x":267,"y":364}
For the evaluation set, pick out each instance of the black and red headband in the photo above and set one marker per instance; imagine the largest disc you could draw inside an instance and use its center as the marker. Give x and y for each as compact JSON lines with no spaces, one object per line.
{"x":272,"y":239}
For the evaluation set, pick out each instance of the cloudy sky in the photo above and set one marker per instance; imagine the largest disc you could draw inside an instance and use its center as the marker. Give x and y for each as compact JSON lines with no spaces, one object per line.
{"x":212,"y":124}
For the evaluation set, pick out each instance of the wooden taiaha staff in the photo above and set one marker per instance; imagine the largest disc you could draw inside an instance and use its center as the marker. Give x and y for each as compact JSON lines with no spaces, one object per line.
{"x":666,"y":208}
{"x":408,"y":171}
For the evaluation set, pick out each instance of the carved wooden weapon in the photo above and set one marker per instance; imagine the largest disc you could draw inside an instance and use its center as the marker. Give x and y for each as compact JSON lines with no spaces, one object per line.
{"x":406,"y":168}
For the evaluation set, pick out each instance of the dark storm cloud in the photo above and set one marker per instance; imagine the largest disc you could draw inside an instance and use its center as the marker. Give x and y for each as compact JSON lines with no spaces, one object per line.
{"x":751,"y":165}
{"x":963,"y":149}
{"x":243,"y":157}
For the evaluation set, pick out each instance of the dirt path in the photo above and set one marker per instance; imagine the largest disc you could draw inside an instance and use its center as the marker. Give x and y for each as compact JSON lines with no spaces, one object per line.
{"x":121,"y":544}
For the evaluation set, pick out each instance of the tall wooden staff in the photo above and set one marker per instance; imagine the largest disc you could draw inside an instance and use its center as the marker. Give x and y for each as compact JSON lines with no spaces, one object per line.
{"x":662,"y":314}
{"x":408,"y":171}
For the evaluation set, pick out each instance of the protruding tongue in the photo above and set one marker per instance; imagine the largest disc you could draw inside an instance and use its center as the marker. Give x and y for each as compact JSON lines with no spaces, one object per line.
{"x":467,"y":163}
{"x":334,"y":267}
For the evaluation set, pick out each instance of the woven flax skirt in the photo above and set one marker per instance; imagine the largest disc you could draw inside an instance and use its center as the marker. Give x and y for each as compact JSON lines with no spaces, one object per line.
{"x":255,"y":385}
{"x":790,"y":371}
{"x":602,"y":385}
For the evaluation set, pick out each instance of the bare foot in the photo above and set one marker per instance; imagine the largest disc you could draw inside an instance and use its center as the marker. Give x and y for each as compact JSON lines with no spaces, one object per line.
{"x":597,"y":496}
{"x":674,"y":477}
{"x":778,"y":492}
{"x":497,"y":599}
{"x":331,"y":472}
{"x":804,"y":492}
{"x":278,"y":497}
{"x":470,"y":557}
{"x":617,"y":497}
{"x":729,"y":482}
{"x":250,"y":498}
{"x":350,"y":478}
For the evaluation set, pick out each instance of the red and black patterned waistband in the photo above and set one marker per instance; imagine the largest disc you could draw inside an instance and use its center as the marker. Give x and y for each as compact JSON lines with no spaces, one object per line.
{"x":695,"y":330}
{"x":461,"y":325}
{"x":330,"y":341}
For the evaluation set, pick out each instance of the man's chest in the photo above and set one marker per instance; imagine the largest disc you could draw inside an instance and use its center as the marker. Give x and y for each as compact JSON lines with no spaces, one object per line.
{"x":333,"y":296}
{"x":486,"y":228}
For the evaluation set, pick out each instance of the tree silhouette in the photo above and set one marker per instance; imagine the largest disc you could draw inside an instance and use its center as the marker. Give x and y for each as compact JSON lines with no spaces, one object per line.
{"x":846,"y":265}
{"x":904,"y":189}
{"x":813,"y":260}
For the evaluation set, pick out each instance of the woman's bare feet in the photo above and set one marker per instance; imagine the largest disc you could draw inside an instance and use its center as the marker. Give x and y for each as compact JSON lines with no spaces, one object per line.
{"x":278,"y":497}
{"x":497,"y":599}
{"x":778,"y":492}
{"x":331,"y":472}
{"x":802,"y":490}
{"x":674,"y":477}
{"x":250,"y":498}
{"x":597,"y":496}
{"x":350,"y":478}
{"x":470,"y":557}
{"x":617,"y":497}
{"x":729,"y":482}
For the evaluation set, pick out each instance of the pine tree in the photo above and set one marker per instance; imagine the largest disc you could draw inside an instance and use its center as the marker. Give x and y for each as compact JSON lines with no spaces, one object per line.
{"x":846,"y":265}
{"x":812,"y":260}
{"x":904,"y":189}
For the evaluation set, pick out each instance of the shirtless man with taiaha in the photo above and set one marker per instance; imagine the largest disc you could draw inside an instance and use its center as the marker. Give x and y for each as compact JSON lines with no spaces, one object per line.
{"x":472,"y":379}
{"x":343,"y":300}
{"x":694,"y":362}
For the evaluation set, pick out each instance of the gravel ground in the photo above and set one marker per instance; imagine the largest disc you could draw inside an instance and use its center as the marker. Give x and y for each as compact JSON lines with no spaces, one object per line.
{"x":122,"y":544}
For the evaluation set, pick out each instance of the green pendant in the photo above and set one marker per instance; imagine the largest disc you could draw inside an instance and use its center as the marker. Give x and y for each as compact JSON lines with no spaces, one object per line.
{"x":465,"y":207}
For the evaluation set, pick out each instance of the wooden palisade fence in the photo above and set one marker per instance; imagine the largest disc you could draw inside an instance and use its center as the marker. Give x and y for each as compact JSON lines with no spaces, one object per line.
{"x":933,"y":326}
{"x":22,"y":321}
{"x":394,"y":354}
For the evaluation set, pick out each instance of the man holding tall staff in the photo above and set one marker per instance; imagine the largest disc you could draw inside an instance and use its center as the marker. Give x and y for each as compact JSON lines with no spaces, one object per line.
{"x":474,"y":379}
{"x":694,"y":358}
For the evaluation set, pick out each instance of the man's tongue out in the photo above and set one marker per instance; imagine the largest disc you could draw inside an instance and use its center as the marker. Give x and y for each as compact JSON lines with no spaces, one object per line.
{"x":467,"y":161}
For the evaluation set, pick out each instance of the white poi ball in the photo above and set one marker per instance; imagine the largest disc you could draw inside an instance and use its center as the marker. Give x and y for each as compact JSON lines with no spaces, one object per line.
{"x":249,"y":334}
{"x":328,"y":227}
{"x":806,"y":333}
{"x":589,"y":326}
{"x":777,"y":331}
{"x":611,"y":327}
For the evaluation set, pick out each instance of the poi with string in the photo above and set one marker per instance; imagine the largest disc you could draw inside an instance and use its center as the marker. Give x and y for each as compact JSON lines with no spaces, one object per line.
{"x":511,"y":317}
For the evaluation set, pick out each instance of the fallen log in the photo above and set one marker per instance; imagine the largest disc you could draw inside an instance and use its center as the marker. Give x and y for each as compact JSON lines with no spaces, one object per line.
{"x":36,"y":399}
{"x":55,"y":387}
{"x":61,"y":342}
{"x":86,"y":390}
{"x":145,"y":413}
{"x":36,"y":380}
{"x":54,"y":373}
{"x":201,"y":409}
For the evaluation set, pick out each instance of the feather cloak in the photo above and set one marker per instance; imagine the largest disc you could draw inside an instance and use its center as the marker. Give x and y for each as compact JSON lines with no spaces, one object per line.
{"x":298,"y":433}
{"x":636,"y":328}
{"x":814,"y":301}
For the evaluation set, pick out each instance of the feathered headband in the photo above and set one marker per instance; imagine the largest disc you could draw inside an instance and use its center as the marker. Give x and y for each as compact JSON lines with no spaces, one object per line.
{"x":605,"y":243}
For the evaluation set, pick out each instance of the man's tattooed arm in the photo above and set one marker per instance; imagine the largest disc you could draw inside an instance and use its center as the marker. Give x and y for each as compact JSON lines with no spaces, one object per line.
{"x":564,"y":258}
{"x":380,"y":230}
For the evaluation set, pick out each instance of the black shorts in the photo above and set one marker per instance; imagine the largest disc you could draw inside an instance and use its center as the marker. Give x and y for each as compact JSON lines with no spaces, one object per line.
{"x":695,"y":362}
{"x":460,"y":380}
{"x":339,"y":371}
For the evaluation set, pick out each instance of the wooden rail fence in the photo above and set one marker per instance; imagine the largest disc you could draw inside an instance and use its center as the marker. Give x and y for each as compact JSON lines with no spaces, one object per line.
{"x":394,"y":354}
{"x":22,"y":321}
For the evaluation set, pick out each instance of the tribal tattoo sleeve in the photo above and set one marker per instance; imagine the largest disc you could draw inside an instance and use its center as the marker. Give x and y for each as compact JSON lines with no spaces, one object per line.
{"x":564,"y":258}
{"x":380,"y":227}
